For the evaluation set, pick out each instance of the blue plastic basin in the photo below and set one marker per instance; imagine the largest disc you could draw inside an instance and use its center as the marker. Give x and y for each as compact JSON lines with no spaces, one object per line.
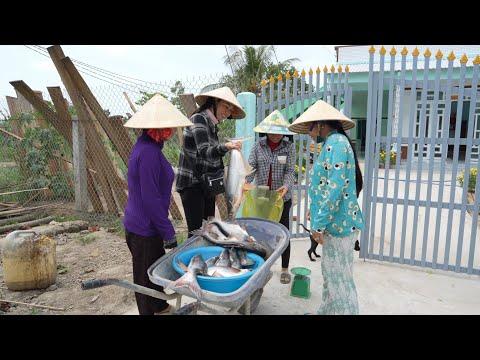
{"x":214,"y":284}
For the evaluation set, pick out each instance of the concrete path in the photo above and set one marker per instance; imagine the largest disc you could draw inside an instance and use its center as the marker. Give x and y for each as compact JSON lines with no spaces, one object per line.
{"x":382,"y":288}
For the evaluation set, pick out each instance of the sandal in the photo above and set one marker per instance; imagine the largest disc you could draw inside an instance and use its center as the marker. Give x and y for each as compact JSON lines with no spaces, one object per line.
{"x":285,"y":278}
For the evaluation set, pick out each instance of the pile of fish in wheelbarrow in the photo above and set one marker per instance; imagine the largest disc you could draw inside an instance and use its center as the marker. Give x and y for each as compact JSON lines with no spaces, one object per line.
{"x":266,"y":239}
{"x":232,"y":261}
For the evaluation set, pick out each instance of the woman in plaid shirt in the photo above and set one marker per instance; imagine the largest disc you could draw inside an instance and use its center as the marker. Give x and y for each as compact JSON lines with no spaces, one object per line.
{"x":202,"y":152}
{"x":273,"y":156}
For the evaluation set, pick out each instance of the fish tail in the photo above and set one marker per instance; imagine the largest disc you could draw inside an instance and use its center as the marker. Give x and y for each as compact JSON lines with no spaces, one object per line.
{"x":188,"y":281}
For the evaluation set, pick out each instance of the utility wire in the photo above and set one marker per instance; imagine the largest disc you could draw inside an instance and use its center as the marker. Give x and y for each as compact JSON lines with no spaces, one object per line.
{"x":124,"y":77}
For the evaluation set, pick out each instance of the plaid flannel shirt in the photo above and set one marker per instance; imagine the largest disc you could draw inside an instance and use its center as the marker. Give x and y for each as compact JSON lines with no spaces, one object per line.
{"x":201,"y":151}
{"x":262,"y":157}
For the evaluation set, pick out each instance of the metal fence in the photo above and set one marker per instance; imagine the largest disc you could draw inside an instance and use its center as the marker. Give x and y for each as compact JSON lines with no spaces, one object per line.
{"x":293,"y":95}
{"x":417,"y":210}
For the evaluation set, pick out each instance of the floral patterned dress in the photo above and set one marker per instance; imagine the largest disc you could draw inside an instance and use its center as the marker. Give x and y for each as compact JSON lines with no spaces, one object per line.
{"x":334,"y":210}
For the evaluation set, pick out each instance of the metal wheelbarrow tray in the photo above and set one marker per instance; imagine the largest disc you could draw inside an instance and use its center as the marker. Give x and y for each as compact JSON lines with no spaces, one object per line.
{"x":243,"y":300}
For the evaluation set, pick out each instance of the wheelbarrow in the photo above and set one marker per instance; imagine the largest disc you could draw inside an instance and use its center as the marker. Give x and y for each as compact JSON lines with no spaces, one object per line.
{"x":243,"y":300}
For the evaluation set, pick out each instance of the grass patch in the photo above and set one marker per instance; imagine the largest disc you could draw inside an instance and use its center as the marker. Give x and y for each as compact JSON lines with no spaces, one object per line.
{"x":87,"y":239}
{"x":61,"y":269}
{"x":34,"y":311}
{"x":63,"y":218}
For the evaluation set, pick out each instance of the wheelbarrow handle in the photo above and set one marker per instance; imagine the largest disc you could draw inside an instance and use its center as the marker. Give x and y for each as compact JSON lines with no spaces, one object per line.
{"x":94,"y":283}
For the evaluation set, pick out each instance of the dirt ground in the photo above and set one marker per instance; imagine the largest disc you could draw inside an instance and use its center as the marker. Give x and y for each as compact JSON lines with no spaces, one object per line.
{"x":80,"y":256}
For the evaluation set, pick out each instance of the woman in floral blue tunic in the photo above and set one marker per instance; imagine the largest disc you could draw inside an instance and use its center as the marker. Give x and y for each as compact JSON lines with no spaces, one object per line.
{"x":335,"y":182}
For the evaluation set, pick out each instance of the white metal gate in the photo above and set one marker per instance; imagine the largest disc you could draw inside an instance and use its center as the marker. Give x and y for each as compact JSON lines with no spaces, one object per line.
{"x":416,"y":211}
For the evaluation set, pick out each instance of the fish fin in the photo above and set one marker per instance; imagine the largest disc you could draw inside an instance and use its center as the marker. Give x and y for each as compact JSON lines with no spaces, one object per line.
{"x":188,"y":281}
{"x":182,"y":266}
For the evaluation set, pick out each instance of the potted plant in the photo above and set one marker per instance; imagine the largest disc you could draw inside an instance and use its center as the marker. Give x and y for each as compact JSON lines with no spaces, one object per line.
{"x":383,"y":157}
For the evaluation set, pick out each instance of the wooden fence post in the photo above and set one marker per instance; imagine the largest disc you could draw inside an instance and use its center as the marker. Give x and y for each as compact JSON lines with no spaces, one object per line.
{"x":79,"y":165}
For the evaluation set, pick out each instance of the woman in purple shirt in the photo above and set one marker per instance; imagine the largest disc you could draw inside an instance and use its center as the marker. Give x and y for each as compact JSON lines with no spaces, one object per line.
{"x":150,"y":178}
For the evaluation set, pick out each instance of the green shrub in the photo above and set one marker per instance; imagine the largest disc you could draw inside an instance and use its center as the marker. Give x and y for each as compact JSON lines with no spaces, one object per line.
{"x":472,"y":181}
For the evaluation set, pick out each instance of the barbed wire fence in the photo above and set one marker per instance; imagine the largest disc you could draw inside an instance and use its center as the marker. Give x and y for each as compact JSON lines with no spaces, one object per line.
{"x":36,"y":162}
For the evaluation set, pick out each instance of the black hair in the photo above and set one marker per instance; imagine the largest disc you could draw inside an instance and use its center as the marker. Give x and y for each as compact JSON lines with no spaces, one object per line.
{"x":210,"y":103}
{"x":337,"y":125}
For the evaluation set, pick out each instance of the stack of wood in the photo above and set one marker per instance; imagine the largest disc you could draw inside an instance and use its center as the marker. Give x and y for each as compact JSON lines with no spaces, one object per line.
{"x":22,"y":218}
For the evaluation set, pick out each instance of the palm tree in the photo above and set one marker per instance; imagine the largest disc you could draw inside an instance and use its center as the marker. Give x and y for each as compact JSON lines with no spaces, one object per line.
{"x":250,"y":65}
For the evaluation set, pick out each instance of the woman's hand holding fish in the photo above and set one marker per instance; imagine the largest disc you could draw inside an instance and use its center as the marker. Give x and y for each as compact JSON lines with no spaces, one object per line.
{"x":282,"y":190}
{"x":231,"y":145}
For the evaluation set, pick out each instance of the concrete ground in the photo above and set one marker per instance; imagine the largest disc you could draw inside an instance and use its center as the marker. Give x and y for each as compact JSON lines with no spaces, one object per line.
{"x":383,"y":288}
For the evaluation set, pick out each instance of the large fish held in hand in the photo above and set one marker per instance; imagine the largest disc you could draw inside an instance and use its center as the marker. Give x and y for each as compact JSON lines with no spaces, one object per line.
{"x":238,"y":170}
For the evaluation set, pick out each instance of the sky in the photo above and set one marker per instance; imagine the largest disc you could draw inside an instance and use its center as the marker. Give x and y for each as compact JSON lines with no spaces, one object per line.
{"x":155,"y":63}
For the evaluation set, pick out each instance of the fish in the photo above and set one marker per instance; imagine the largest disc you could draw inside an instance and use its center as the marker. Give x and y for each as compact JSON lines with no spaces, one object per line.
{"x":234,"y":259}
{"x":189,"y":280}
{"x":234,"y":230}
{"x":244,"y":260}
{"x":211,"y":261}
{"x":238,"y":170}
{"x":232,"y":241}
{"x":224,"y":259}
{"x":222,"y":271}
{"x":231,"y":234}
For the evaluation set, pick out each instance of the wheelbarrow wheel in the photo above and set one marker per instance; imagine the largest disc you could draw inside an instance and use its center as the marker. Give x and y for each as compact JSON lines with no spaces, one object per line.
{"x":254,"y":301}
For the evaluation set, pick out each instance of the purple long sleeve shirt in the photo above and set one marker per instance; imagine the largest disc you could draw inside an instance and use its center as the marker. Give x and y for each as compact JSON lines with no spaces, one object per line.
{"x":150,"y":179}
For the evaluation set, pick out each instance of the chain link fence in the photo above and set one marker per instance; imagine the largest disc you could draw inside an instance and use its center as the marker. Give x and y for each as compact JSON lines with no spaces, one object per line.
{"x":36,"y":160}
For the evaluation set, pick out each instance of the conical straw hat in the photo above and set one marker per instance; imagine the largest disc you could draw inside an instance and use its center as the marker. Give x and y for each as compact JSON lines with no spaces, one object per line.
{"x":320,"y":111}
{"x":225,"y":94}
{"x":274,"y":123}
{"x":158,"y":113}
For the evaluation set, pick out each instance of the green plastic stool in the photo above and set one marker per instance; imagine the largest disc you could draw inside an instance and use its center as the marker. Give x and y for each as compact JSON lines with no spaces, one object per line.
{"x":301,"y":283}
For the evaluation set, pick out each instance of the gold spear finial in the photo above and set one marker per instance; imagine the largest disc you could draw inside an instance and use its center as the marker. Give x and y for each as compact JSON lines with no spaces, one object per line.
{"x":463,"y":59}
{"x":264,"y":83}
{"x":325,"y":69}
{"x":332,"y":69}
{"x":476,"y":61}
{"x":383,"y":51}
{"x":393,"y":52}
{"x":415,"y":52}
{"x":404,"y":51}
{"x":287,"y":75}
{"x":371,"y":50}
{"x":427,"y":53}
{"x":310,"y":72}
{"x":303,"y":73}
{"x":295,"y":74}
{"x":347,"y":69}
{"x":439,"y":55}
{"x":318,"y":71}
{"x":451,"y":56}
{"x":272,"y":80}
{"x":279,"y":77}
